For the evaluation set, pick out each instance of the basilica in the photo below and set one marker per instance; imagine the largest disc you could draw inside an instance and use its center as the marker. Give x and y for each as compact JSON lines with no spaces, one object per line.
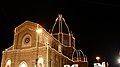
{"x":33,"y":46}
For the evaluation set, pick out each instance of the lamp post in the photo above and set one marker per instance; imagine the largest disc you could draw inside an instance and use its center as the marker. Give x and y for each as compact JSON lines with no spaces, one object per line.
{"x":98,"y":58}
{"x":38,"y":31}
{"x":119,"y":60}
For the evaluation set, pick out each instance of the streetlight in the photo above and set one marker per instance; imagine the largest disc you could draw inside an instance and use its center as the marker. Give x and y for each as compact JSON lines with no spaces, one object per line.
{"x":98,"y":58}
{"x":38,"y":31}
{"x":119,"y":57}
{"x":118,"y":60}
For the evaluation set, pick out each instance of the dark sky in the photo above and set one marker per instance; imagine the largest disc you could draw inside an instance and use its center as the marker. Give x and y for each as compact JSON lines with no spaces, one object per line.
{"x":95,"y":24}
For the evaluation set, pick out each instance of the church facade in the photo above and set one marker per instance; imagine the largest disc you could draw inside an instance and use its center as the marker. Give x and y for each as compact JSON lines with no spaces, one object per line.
{"x":35,"y":47}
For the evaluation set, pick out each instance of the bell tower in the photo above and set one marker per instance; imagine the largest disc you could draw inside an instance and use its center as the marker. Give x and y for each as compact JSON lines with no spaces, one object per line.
{"x":67,"y":39}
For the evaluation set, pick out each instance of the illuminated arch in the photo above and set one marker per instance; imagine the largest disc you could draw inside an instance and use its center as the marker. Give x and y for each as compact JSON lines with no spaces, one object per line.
{"x":74,"y":53}
{"x":60,"y":19}
{"x":8,"y":64}
{"x":23,"y":64}
{"x":79,"y":57}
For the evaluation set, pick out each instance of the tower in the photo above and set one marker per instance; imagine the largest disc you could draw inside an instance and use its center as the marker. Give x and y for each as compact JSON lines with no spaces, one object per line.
{"x":66,"y":39}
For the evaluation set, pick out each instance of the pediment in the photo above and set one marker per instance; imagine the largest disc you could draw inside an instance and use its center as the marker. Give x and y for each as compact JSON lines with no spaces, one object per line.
{"x":26,"y":25}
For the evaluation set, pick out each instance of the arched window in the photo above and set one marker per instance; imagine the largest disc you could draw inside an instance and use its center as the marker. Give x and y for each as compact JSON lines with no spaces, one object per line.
{"x":8,"y":64}
{"x":23,"y":64}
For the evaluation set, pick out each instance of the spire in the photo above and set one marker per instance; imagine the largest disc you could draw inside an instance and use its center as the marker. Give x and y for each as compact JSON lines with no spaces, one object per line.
{"x":60,"y":20}
{"x":60,"y":17}
{"x":64,"y":36}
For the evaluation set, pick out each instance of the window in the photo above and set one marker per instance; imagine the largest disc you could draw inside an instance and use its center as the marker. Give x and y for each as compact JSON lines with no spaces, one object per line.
{"x":23,"y":64}
{"x":59,"y":48}
{"x":8,"y":64}
{"x":26,"y":40}
{"x":65,"y":42}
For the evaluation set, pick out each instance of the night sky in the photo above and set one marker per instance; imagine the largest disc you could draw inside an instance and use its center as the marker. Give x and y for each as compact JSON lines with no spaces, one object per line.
{"x":95,"y":24}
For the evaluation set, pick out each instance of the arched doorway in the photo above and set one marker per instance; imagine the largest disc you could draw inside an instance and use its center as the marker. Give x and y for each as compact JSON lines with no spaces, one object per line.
{"x":8,"y":64}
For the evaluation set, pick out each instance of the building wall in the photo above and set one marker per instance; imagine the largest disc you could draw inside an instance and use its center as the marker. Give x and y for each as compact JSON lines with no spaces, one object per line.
{"x":57,"y":59}
{"x":27,"y":55}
